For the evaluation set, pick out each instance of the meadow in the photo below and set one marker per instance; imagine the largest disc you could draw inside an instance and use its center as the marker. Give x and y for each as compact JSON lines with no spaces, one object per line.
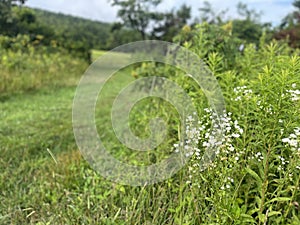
{"x":254,"y":179}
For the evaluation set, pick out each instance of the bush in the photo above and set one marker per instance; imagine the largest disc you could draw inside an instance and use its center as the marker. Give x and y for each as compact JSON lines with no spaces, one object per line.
{"x":256,"y":173}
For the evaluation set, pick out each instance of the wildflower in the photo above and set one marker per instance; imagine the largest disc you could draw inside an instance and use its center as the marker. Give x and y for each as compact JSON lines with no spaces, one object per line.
{"x":293,"y":138}
{"x":230,"y":179}
{"x":235,"y":135}
{"x":294,"y":94}
{"x":211,"y":133}
{"x":242,"y":92}
{"x":231,"y":148}
{"x":259,"y":156}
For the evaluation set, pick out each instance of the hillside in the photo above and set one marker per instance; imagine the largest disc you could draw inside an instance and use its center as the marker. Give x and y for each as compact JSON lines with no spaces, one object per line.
{"x":75,"y":29}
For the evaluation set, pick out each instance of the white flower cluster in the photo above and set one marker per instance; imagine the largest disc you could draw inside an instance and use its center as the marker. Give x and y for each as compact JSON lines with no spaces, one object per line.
{"x":242,"y":92}
{"x":293,"y":139}
{"x":228,"y":182}
{"x":259,"y":156}
{"x":283,"y":163}
{"x":293,"y":93}
{"x":212,"y":134}
{"x":192,"y":137}
{"x":268,"y":108}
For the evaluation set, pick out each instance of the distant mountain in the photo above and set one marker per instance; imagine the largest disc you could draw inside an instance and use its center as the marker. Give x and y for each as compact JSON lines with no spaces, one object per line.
{"x":75,"y":29}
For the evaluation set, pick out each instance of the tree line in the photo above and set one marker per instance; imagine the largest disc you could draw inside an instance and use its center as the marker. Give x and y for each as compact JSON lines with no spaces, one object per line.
{"x":139,"y":20}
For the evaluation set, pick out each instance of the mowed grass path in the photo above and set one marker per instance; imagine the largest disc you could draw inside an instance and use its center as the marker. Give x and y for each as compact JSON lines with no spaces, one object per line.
{"x":33,"y":126}
{"x":43,"y":177}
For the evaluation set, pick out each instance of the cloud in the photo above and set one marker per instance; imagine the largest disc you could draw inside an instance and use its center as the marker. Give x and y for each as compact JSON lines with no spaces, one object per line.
{"x":273,"y":10}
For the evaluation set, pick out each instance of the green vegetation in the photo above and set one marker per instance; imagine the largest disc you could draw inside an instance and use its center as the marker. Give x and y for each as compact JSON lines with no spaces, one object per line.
{"x":24,"y":67}
{"x":254,"y":179}
{"x":96,"y":54}
{"x":73,"y":29}
{"x":289,"y":28}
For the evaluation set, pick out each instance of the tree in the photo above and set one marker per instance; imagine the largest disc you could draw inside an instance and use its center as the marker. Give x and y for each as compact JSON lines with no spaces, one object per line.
{"x":248,"y":27}
{"x":121,"y":36}
{"x":138,"y":14}
{"x":172,"y":23}
{"x":248,"y":14}
{"x":6,"y":17}
{"x":290,"y":27}
{"x":292,"y":19}
{"x":207,"y":14}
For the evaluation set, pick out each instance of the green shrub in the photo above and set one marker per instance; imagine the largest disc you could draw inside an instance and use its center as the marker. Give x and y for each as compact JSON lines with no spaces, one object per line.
{"x":255,"y":176}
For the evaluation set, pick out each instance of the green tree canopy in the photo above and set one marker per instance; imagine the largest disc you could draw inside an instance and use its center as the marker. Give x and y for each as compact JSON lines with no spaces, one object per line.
{"x":289,"y":28}
{"x":172,"y":23}
{"x":208,"y":14}
{"x":6,"y":16}
{"x":138,"y":14}
{"x":248,"y":27}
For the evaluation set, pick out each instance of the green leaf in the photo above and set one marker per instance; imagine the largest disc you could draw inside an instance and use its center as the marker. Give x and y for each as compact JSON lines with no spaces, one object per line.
{"x":247,"y":218}
{"x":255,"y":176}
{"x":274,"y":213}
{"x":279,"y":199}
{"x":253,"y":211}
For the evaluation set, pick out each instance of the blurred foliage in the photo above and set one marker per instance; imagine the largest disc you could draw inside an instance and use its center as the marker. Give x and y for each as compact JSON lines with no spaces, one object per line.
{"x":28,"y":65}
{"x":171,"y":23}
{"x":138,"y":14}
{"x":70,"y":29}
{"x":246,"y":26}
{"x":6,"y":15}
{"x":139,"y":20}
{"x":289,"y":28}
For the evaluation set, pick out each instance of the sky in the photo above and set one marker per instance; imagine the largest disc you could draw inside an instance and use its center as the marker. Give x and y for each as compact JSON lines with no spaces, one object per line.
{"x":101,"y":10}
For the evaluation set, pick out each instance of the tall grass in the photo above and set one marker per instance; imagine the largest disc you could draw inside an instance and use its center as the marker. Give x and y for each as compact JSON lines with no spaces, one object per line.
{"x":25,"y":66}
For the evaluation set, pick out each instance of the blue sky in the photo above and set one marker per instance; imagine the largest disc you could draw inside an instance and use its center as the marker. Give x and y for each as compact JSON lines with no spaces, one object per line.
{"x":273,"y":10}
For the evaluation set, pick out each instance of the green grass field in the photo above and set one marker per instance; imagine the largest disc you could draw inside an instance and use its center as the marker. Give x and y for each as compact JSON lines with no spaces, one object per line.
{"x":255,"y":179}
{"x":44,"y":179}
